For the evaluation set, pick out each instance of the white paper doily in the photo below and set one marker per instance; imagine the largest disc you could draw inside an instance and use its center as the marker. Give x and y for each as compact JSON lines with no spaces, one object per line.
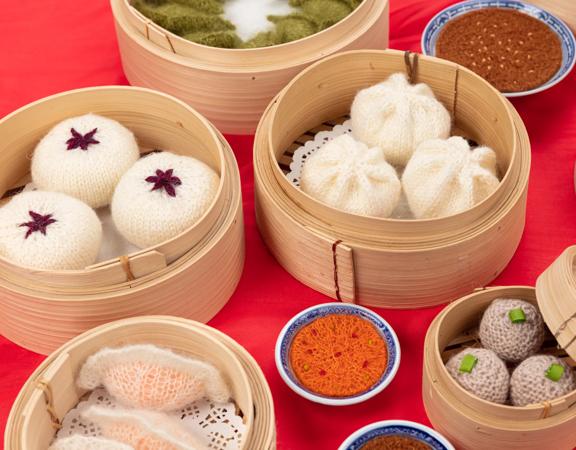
{"x":216,"y":424}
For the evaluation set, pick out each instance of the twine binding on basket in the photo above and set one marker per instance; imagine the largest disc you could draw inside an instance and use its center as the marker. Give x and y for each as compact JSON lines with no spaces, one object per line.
{"x":335,"y":262}
{"x":125,"y":263}
{"x":547,"y":407}
{"x":49,"y":398}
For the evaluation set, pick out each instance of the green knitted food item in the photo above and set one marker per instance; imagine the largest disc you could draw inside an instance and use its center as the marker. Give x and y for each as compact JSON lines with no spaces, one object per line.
{"x":201,"y":21}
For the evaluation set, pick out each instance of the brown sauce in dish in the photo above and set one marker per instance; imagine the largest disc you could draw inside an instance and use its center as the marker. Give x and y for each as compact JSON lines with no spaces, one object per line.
{"x":395,"y":443}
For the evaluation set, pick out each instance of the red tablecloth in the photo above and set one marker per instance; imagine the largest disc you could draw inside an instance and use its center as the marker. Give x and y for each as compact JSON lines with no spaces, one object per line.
{"x":49,"y":46}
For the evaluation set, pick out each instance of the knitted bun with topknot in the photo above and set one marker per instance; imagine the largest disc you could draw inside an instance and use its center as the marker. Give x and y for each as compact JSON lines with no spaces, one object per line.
{"x":541,"y":378}
{"x":482,"y":374}
{"x":84,"y":157}
{"x":512,"y":328}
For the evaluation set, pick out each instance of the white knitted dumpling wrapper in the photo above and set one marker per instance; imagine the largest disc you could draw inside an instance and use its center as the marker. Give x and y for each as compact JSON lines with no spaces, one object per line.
{"x":49,"y":230}
{"x":397,"y":116}
{"x":161,"y":196}
{"x":530,"y":385}
{"x":84,"y":157}
{"x":78,"y":442}
{"x":512,"y":342}
{"x":347,"y":175}
{"x":445,"y":177}
{"x":488,"y":380}
{"x":149,"y":377}
{"x":141,"y":429}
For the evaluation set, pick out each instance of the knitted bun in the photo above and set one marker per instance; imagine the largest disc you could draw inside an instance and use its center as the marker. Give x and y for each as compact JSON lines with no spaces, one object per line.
{"x":445,"y":177}
{"x":84,"y":157}
{"x":346,"y":174}
{"x":397,"y":116}
{"x":162,"y":195}
{"x":530,"y":384}
{"x":489,"y":379}
{"x":79,"y":442}
{"x":145,"y":376}
{"x":512,"y":341}
{"x":49,"y":230}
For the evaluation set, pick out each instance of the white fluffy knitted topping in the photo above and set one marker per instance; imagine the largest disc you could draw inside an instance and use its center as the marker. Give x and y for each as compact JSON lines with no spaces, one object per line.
{"x":142,"y":429}
{"x":78,"y":442}
{"x":530,"y":385}
{"x":346,"y":174}
{"x":162,"y":195}
{"x":49,"y":230}
{"x":84,"y":157}
{"x":488,"y":380}
{"x":445,"y":177}
{"x":512,"y":342}
{"x":251,"y":16}
{"x":145,"y":376}
{"x":397,"y":116}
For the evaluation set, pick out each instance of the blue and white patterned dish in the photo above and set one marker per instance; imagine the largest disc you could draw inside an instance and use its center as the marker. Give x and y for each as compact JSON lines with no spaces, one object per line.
{"x":308,"y":315}
{"x":434,"y":27}
{"x":396,"y":428}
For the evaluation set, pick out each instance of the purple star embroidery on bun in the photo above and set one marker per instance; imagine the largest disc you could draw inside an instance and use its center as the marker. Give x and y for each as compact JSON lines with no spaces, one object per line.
{"x":38,"y":223}
{"x":165,"y":180}
{"x":78,"y":140}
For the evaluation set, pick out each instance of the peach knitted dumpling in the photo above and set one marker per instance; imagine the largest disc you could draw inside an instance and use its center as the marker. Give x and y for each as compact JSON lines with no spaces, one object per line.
{"x":145,"y":376}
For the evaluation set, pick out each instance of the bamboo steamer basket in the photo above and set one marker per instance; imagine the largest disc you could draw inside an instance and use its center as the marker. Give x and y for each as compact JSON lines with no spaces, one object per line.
{"x":51,"y":392}
{"x":472,"y":423}
{"x":192,"y":275}
{"x":386,"y":262}
{"x":232,"y":87}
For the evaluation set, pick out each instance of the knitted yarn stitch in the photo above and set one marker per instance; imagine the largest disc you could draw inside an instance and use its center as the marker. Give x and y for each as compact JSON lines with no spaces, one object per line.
{"x":84,"y":157}
{"x":529,"y":384}
{"x":488,"y":380}
{"x":445,"y":177}
{"x":512,"y":342}
{"x":346,"y":174}
{"x":161,"y":196}
{"x":49,"y":230}
{"x":79,"y":442}
{"x":397,"y":116}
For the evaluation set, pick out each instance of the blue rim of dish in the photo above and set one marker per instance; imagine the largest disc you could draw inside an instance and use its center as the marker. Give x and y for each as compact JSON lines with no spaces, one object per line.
{"x":567,"y":40}
{"x":305,"y":317}
{"x":396,"y":428}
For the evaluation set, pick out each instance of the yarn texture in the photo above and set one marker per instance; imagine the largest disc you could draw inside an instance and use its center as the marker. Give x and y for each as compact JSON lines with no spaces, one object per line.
{"x":84,"y":157}
{"x":397,"y":117}
{"x":346,"y":174}
{"x":49,"y":230}
{"x":445,"y":177}
{"x":161,"y":196}
{"x":149,"y":377}
{"x":530,"y":385}
{"x":512,"y":342}
{"x":78,"y":442}
{"x":488,"y":380}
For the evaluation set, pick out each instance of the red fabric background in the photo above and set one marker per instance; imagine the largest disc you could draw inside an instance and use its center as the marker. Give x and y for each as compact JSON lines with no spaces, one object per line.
{"x":49,"y":46}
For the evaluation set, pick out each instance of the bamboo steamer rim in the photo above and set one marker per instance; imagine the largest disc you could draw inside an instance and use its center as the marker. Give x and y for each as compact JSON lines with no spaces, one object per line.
{"x":253,"y":60}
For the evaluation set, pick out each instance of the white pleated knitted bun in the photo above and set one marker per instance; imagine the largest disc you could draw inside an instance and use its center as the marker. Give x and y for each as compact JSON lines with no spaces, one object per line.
{"x":347,"y":175}
{"x":162,"y":195}
{"x":397,"y":116}
{"x":49,"y":230}
{"x":445,"y":177}
{"x":84,"y":157}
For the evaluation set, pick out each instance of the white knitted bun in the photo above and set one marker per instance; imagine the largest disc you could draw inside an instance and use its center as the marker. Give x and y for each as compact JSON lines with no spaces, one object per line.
{"x":346,"y":174}
{"x":143,"y":207}
{"x":84,"y":157}
{"x":529,"y":383}
{"x":79,"y":442}
{"x":397,"y":116}
{"x":445,"y":177}
{"x":49,"y":230}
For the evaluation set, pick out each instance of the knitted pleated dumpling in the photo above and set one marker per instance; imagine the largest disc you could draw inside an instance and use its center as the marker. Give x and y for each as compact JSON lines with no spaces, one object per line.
{"x":485,"y":375}
{"x":347,"y":175}
{"x":141,"y":429}
{"x":445,"y":177}
{"x":79,"y":442}
{"x":513,"y":329}
{"x":397,"y":116}
{"x":49,"y":230}
{"x":162,"y":195}
{"x":145,"y":376}
{"x":84,"y":157}
{"x":541,"y":378}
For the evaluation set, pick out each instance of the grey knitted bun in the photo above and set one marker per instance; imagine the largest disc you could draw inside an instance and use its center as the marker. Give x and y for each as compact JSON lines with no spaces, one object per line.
{"x":512,"y":342}
{"x":488,"y":380}
{"x":529,"y":383}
